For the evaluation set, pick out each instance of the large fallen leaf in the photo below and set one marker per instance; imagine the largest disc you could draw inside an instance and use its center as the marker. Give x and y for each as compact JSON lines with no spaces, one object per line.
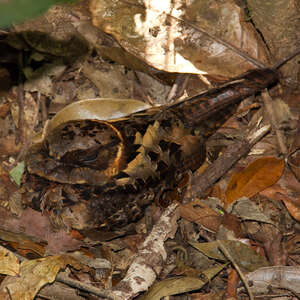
{"x":173,"y":286}
{"x":243,"y":255}
{"x":257,"y":176}
{"x":177,"y":36}
{"x":9,"y":264}
{"x":93,"y":109}
{"x":34,"y":274}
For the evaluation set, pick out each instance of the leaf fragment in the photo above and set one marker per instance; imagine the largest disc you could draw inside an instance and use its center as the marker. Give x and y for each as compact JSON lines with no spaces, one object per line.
{"x":17,"y":172}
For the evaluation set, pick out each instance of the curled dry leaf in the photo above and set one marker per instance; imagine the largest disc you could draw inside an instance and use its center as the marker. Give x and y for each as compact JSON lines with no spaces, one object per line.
{"x":9,"y":264}
{"x":22,"y":242}
{"x":177,"y":36}
{"x":257,"y":176}
{"x":33,"y":275}
{"x":94,"y":109}
{"x":293,"y":208}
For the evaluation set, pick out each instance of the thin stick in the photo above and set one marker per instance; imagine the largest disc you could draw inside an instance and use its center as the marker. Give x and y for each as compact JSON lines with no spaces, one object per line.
{"x":178,"y":86}
{"x":229,"y":257}
{"x":233,"y":153}
{"x":105,"y":293}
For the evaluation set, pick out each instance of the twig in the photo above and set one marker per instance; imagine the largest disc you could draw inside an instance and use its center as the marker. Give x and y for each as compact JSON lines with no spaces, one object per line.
{"x":62,"y":277}
{"x":272,"y":117}
{"x":178,"y":87}
{"x":224,"y":163}
{"x":229,"y":257}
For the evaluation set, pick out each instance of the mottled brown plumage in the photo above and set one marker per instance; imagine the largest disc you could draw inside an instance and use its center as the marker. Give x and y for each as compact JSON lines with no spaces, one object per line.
{"x":104,"y":173}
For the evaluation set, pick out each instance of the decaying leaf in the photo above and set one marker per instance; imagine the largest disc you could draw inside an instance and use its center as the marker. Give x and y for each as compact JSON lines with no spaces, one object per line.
{"x":38,"y":227}
{"x":243,"y":255}
{"x":292,"y":207}
{"x":23,"y":241}
{"x":33,"y":275}
{"x":177,"y":37}
{"x":9,"y":264}
{"x":201,"y":214}
{"x":257,"y":176}
{"x":248,"y":210}
{"x":286,"y":190}
{"x":173,"y":286}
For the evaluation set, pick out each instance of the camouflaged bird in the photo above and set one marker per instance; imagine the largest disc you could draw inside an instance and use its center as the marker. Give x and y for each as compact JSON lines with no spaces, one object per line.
{"x":93,"y":173}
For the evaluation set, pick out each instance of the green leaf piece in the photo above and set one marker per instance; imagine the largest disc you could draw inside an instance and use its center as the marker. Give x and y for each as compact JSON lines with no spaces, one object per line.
{"x":17,"y":172}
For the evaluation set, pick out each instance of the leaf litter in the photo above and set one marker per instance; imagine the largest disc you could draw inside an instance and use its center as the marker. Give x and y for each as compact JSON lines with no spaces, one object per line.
{"x":249,"y":207}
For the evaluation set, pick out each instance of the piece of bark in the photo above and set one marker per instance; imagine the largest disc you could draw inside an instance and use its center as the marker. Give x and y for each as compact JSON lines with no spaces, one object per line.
{"x":148,"y":263}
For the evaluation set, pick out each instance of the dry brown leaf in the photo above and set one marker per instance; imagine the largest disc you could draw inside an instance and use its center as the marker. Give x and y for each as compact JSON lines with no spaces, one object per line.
{"x":176,"y":36}
{"x":22,"y":241}
{"x":34,"y":274}
{"x":201,"y":214}
{"x":287,"y":190}
{"x":4,"y":109}
{"x":37,"y":226}
{"x":257,"y":176}
{"x":293,"y":208}
{"x":9,"y":264}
